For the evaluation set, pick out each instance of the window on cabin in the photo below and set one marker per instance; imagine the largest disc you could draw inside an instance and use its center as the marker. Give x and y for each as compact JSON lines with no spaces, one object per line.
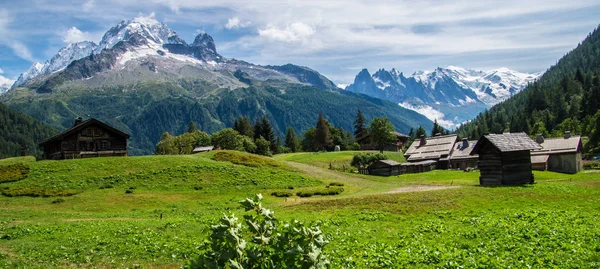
{"x":90,"y":132}
{"x":82,"y":145}
{"x":104,"y":145}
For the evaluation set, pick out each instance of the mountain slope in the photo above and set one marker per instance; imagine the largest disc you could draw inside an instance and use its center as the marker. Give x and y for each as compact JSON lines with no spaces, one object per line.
{"x":451,"y":95}
{"x":565,"y":98}
{"x":145,"y":80}
{"x":20,"y":133}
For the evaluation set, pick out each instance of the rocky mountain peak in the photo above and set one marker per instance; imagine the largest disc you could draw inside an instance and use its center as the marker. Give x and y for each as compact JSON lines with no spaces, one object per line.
{"x":206,"y":41}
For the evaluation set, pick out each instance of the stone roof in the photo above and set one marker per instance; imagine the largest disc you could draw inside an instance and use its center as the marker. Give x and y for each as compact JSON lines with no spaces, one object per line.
{"x":390,"y":162}
{"x":507,"y":142}
{"x":203,"y":149}
{"x":436,"y":147}
{"x":559,"y":145}
{"x":463,"y":153}
{"x":539,"y":158}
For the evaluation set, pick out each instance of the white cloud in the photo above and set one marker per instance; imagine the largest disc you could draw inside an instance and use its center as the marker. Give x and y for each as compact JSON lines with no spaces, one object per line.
{"x":88,"y":6}
{"x":1,"y":71}
{"x":432,"y":114}
{"x":235,"y":23}
{"x":75,"y":35}
{"x":9,"y":38}
{"x":295,"y":32}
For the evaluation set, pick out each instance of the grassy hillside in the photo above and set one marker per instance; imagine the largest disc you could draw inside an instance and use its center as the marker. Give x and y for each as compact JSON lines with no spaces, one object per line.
{"x":337,"y":159}
{"x":20,"y":133}
{"x":439,"y":219}
{"x":148,"y":109}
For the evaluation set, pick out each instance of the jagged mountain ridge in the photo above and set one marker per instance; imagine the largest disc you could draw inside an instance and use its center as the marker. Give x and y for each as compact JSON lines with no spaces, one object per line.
{"x":451,"y":95}
{"x":146,"y":80}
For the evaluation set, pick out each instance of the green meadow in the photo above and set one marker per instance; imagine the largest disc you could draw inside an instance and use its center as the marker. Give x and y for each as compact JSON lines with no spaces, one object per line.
{"x":155,"y":212}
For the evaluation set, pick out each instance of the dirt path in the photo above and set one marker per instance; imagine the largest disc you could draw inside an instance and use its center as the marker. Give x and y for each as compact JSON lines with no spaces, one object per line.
{"x":417,"y":188}
{"x":368,"y":186}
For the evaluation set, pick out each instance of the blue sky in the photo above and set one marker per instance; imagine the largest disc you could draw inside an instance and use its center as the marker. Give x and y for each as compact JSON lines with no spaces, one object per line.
{"x":336,"y":38}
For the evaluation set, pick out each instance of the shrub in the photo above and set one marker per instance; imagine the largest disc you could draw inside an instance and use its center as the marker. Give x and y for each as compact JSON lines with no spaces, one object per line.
{"x":363,"y":160}
{"x":128,"y":191}
{"x":13,"y":172}
{"x":305,"y":193}
{"x":282,"y":194}
{"x":58,"y":201}
{"x":336,"y":184}
{"x":591,"y":165}
{"x":198,"y":188}
{"x":269,"y":243}
{"x":35,"y":192}
{"x":329,"y":191}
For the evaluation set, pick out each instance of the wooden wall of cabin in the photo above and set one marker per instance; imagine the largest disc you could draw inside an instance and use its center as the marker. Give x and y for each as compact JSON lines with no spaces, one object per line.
{"x":516,"y":168}
{"x":490,"y":166}
{"x":569,"y":163}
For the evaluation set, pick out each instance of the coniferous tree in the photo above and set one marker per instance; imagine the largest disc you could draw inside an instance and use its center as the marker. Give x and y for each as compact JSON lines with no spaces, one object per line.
{"x":322,"y":133}
{"x":268,"y":133}
{"x":244,"y":126}
{"x":360,"y":128}
{"x":436,"y":128}
{"x":411,"y":134}
{"x":291,"y":141}
{"x":420,"y":132}
{"x":258,"y":129}
{"x":192,"y":127}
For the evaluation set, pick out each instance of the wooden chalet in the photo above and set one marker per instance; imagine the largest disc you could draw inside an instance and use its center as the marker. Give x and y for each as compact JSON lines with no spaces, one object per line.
{"x":437,"y":148}
{"x":384,"y":168}
{"x":561,"y":154}
{"x":86,"y":139}
{"x":505,"y":159}
{"x":461,"y":157}
{"x":418,"y":167}
{"x":367,"y":144}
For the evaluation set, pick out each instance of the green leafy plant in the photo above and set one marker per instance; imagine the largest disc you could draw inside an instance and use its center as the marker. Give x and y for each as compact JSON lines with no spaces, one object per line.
{"x":264,"y":242}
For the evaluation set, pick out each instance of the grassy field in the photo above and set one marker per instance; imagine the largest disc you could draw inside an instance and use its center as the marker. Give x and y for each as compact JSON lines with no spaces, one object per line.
{"x":337,"y":159}
{"x":155,"y":211}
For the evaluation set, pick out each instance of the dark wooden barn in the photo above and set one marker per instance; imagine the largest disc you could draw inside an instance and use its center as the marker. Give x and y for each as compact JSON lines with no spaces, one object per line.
{"x":505,"y":159}
{"x":86,"y":139}
{"x":367,"y":144}
{"x":418,"y":167}
{"x":384,"y":168}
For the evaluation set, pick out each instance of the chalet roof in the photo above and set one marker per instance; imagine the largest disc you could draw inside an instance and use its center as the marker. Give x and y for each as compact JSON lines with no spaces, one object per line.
{"x":436,"y":147}
{"x":507,"y":142}
{"x":539,"y":158}
{"x":463,"y":153}
{"x":390,"y":162}
{"x":428,"y":162}
{"x":559,"y":145}
{"x":203,"y":149}
{"x":81,"y":126}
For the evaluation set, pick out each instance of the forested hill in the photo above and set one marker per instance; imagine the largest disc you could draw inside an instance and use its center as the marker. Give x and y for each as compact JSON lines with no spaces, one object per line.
{"x":19,"y":132}
{"x":566,"y":97}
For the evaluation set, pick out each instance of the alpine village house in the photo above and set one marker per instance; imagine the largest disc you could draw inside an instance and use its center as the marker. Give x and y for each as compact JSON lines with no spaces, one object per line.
{"x":86,"y":139}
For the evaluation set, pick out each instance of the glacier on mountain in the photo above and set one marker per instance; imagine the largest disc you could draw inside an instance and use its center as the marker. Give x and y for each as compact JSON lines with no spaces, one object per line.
{"x":451,"y":95}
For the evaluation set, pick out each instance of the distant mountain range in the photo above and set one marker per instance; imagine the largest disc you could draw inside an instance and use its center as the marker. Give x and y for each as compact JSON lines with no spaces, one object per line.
{"x":144,"y":79}
{"x":451,"y":95}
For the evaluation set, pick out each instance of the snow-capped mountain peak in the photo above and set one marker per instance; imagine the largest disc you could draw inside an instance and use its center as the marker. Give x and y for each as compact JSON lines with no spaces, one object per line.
{"x":34,"y":70}
{"x":142,"y":30}
{"x":68,"y":54}
{"x":456,"y":92}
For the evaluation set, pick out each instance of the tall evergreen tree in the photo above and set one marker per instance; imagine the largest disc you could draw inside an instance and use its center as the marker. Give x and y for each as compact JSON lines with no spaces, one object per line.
{"x":192,"y":127}
{"x":258,"y":129}
{"x":420,"y":132}
{"x":244,"y":126}
{"x":436,"y":128}
{"x":322,"y":133}
{"x":360,"y":128}
{"x":291,"y":141}
{"x":268,"y":133}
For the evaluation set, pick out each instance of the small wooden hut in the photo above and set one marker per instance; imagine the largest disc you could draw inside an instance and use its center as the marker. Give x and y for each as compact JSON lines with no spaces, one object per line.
{"x":418,"y":167}
{"x":461,"y":157}
{"x":86,"y":139}
{"x":561,"y":154}
{"x":384,"y":168}
{"x":505,"y":159}
{"x":437,"y":148}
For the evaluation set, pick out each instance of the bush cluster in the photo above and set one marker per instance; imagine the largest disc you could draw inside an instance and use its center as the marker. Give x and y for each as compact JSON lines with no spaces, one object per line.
{"x":13,"y":172}
{"x":36,"y":192}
